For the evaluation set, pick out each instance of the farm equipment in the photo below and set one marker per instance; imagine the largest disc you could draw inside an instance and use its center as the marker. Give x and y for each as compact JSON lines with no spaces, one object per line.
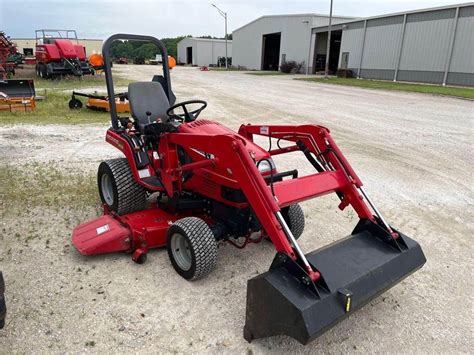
{"x":17,"y":95}
{"x":215,"y":186}
{"x":96,"y":61}
{"x":100,"y":102}
{"x":58,"y":52}
{"x":121,"y":60}
{"x":158,"y":59}
{"x":8,"y":57}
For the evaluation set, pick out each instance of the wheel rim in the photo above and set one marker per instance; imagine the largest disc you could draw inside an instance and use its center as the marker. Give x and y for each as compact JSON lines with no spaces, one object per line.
{"x":107,"y":189}
{"x":181,"y":251}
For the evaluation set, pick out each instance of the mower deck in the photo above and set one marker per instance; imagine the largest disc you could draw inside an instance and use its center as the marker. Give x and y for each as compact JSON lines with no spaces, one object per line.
{"x":111,"y":233}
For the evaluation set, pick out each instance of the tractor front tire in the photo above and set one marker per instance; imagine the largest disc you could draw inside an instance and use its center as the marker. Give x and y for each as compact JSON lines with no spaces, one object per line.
{"x":192,"y":248}
{"x":294,"y":217}
{"x":118,"y":188}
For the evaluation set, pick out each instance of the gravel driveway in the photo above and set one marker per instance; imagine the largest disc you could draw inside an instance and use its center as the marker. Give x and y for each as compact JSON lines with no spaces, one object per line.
{"x":413,"y":152}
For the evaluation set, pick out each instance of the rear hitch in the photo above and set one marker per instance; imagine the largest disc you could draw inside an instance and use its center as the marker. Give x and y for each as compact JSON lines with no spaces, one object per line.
{"x":139,"y":256}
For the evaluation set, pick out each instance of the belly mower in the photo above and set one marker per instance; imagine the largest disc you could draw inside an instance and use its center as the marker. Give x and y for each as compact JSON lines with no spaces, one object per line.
{"x":217,"y":186}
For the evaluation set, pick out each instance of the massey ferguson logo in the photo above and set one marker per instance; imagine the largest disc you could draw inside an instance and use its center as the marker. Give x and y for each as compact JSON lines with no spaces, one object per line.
{"x":114,"y":142}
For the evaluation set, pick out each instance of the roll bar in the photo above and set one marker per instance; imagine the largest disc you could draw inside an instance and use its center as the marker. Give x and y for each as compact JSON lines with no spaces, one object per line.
{"x":108,"y":67}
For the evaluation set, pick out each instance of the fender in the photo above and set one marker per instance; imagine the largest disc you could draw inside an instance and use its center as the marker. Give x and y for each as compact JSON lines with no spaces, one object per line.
{"x":114,"y":138}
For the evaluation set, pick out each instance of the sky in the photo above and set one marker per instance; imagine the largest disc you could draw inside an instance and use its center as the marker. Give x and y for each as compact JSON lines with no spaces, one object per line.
{"x":166,"y":18}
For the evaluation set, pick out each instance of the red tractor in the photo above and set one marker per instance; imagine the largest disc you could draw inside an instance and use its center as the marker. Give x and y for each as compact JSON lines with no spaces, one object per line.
{"x":58,"y":53}
{"x":213,"y":186}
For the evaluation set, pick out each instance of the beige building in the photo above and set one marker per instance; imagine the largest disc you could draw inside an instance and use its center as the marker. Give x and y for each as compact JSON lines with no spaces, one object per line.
{"x":26,"y":45}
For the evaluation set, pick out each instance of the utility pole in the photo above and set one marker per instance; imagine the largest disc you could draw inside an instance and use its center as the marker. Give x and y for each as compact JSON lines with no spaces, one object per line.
{"x":224,"y":15}
{"x":328,"y":48}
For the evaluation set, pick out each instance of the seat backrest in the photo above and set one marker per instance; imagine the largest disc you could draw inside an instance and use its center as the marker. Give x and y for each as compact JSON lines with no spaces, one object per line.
{"x":147,"y":96}
{"x":161,"y":79}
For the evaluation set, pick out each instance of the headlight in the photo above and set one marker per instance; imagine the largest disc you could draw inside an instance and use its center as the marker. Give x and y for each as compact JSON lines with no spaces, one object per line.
{"x":265,"y":165}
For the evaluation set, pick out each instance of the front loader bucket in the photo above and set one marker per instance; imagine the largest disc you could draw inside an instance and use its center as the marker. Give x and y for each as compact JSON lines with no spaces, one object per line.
{"x":17,"y":88}
{"x":354,"y":270}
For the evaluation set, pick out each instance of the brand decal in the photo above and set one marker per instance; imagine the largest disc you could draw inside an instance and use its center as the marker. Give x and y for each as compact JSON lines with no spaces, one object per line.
{"x":102,"y":229}
{"x":115,"y":142}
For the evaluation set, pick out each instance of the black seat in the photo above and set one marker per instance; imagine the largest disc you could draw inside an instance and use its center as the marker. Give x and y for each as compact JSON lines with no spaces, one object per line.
{"x":161,"y":79}
{"x":150,"y":97}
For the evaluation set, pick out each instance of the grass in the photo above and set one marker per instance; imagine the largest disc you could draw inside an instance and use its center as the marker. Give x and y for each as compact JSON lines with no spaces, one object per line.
{"x":223,"y":69}
{"x":73,"y":83}
{"x":68,"y":82}
{"x":44,"y":184}
{"x":389,"y":85}
{"x":54,"y":109}
{"x":246,"y":71}
{"x":266,"y":72}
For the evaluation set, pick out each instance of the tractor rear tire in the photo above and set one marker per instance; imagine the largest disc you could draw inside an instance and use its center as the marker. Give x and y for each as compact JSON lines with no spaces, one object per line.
{"x":294,"y":217}
{"x":192,"y":248}
{"x":118,"y":188}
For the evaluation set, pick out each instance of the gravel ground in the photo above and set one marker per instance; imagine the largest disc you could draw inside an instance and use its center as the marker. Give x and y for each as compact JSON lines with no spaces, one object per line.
{"x":413,"y":152}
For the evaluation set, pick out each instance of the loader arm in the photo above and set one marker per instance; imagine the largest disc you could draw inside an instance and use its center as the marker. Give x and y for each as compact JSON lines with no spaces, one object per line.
{"x":229,"y":152}
{"x":334,"y":174}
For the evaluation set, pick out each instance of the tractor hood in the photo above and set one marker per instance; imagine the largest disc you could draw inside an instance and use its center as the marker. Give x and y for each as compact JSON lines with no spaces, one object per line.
{"x":210,"y":128}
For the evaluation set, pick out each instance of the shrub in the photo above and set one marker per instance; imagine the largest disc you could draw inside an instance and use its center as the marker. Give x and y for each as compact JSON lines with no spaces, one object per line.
{"x":291,"y":67}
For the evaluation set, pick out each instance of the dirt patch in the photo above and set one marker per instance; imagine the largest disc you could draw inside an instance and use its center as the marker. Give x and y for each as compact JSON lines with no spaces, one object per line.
{"x":411,"y":151}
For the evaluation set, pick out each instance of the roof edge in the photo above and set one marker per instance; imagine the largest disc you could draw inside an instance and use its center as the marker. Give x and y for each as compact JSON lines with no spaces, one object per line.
{"x":207,"y":39}
{"x":429,"y":9}
{"x":294,"y":15}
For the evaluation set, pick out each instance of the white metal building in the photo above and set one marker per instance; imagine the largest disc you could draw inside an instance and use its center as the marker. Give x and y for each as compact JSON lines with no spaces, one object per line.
{"x":267,"y":41}
{"x":202,"y":51}
{"x":433,"y":45}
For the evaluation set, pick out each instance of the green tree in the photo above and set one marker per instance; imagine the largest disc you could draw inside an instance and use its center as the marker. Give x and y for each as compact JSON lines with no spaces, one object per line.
{"x":146,"y":51}
{"x":137,"y":49}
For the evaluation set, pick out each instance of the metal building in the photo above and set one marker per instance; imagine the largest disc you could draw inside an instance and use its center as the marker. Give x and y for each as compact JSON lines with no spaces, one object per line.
{"x":430,"y":45}
{"x":266,"y":42}
{"x":202,"y":51}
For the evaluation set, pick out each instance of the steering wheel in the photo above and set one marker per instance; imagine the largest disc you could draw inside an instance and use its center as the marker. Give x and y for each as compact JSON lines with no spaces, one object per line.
{"x":187,"y":116}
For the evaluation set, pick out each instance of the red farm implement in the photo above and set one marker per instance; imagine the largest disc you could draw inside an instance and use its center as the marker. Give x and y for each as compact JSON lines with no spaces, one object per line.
{"x":216,"y":186}
{"x":58,"y":53}
{"x":7,"y":51}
